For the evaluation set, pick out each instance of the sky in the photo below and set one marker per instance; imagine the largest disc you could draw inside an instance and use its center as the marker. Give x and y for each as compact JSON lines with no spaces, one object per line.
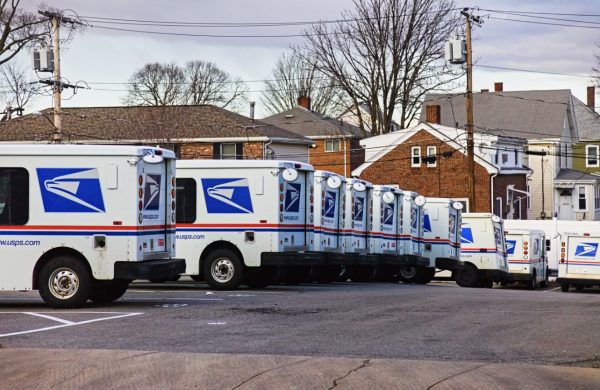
{"x":98,"y":56}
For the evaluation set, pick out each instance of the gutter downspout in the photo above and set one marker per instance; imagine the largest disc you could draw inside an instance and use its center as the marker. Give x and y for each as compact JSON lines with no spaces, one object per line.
{"x":265,"y":146}
{"x":492,"y":193}
{"x":345,"y":161}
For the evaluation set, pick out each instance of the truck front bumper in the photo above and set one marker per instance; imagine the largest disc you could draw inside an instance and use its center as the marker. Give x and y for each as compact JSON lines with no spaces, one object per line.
{"x":447,"y":263}
{"x":149,"y":269}
{"x":292,"y":258}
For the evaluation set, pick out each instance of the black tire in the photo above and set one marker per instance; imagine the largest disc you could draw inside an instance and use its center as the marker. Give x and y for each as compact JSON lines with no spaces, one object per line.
{"x":564,"y":287}
{"x":424,"y":275}
{"x":466,"y":276}
{"x":362,"y":273}
{"x":259,"y":278}
{"x":487,"y":283}
{"x":64,"y":282}
{"x":106,"y":291}
{"x":532,"y":283}
{"x":223,"y":269}
{"x":408,"y":274}
{"x":504,"y":284}
{"x":197,"y":278}
{"x":544,"y":283}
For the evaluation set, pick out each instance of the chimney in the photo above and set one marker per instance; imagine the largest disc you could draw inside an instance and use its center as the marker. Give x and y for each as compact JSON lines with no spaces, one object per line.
{"x":303,"y":100}
{"x":498,"y":87}
{"x":432,"y":114}
{"x":591,"y":97}
{"x":252,"y":110}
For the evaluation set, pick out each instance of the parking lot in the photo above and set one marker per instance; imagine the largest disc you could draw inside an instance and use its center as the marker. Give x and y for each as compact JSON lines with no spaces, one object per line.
{"x":439,"y":322}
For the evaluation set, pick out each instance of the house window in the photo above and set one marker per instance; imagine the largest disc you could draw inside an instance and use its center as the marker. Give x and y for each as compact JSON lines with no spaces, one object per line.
{"x":504,"y":158}
{"x":591,"y":156}
{"x":582,"y":204}
{"x":14,"y":196}
{"x":333,"y":145}
{"x":498,"y":206}
{"x":415,"y":156}
{"x":228,"y":152}
{"x":432,"y":156}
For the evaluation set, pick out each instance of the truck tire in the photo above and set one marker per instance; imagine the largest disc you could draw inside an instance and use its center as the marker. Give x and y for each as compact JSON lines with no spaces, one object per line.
{"x":532,"y":283}
{"x":223,"y":269}
{"x":424,"y":275}
{"x":564,"y":287}
{"x":544,"y":283}
{"x":106,"y":291}
{"x":466,"y":276}
{"x":408,"y":274}
{"x":64,"y":282}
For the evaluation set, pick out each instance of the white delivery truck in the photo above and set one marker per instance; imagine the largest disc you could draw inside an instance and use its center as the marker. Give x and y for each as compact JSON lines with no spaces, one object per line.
{"x":415,"y":267}
{"x":385,"y":231}
{"x":239,"y":221}
{"x":527,"y":259}
{"x":328,"y":216}
{"x":441,"y":233}
{"x":357,"y":206}
{"x":483,"y":251}
{"x":79,"y":222}
{"x":579,"y":263}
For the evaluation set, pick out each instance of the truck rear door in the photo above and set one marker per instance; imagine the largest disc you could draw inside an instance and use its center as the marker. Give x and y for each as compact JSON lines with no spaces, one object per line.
{"x":514,"y":250}
{"x":293,"y":206}
{"x":153,"y":195}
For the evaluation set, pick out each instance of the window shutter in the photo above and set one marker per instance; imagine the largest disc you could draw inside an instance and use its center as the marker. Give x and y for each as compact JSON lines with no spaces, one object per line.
{"x":239,"y":151}
{"x":217,"y":151}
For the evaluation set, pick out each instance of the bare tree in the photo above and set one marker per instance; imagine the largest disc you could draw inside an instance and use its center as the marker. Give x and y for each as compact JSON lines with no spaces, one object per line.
{"x":385,"y":54}
{"x":207,"y":84}
{"x":17,"y":89}
{"x":19,"y":29}
{"x":294,"y":74}
{"x":156,"y":85}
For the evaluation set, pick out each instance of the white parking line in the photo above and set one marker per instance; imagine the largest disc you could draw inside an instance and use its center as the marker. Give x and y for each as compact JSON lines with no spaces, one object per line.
{"x":50,"y":318}
{"x":554,"y":289}
{"x":64,"y":325}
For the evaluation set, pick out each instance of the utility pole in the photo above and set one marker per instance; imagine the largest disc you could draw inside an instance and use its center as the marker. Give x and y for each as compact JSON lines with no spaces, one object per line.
{"x":469,"y":124}
{"x":57,"y":85}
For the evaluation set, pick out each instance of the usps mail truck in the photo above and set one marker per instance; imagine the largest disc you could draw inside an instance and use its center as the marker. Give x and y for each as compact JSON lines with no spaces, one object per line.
{"x":357,"y":205}
{"x":384,"y":232}
{"x":441,"y":232}
{"x":239,"y":221}
{"x":483,"y":251}
{"x":328,"y":216}
{"x":527,"y":260}
{"x":579,"y":263}
{"x":79,"y":222}
{"x":416,"y":268}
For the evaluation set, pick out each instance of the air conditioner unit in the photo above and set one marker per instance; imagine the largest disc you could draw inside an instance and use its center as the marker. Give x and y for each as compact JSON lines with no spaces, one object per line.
{"x":43,"y":59}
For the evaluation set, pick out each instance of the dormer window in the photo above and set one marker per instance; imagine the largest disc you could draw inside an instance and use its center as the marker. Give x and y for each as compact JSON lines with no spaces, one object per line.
{"x":591,"y":156}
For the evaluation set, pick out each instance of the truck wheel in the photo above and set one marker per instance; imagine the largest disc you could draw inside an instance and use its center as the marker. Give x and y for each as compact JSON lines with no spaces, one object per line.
{"x":544,"y":283}
{"x":106,"y":291}
{"x":424,"y":275}
{"x":223,"y":270}
{"x":564,"y":287}
{"x":64,"y":282}
{"x":407,"y":274}
{"x":532,"y":283}
{"x":466,"y":276}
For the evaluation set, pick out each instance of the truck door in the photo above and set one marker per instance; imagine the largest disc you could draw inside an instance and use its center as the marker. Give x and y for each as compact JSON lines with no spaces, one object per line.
{"x":152,"y":206}
{"x":514,"y":250}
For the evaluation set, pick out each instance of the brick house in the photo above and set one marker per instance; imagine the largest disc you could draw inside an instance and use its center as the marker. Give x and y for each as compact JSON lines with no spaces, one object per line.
{"x":559,"y":130}
{"x":193,"y":132}
{"x":431,"y":159}
{"x":336,"y":143}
